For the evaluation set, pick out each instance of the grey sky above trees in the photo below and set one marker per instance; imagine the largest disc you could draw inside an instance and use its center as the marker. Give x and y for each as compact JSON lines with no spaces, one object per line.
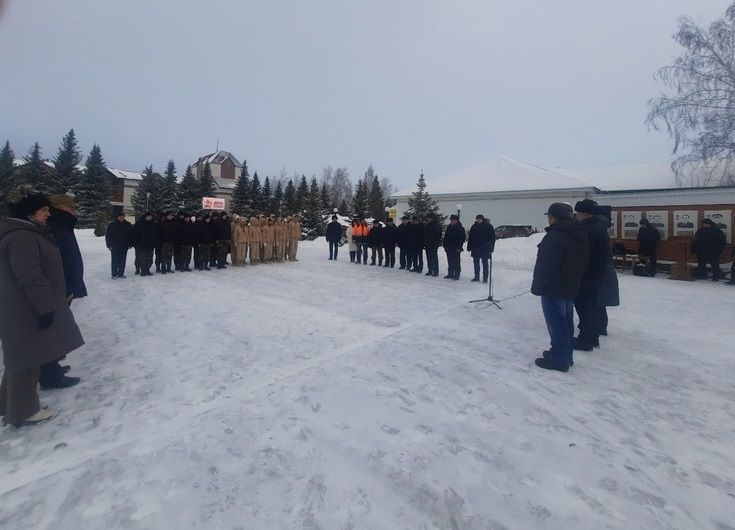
{"x":409,"y":85}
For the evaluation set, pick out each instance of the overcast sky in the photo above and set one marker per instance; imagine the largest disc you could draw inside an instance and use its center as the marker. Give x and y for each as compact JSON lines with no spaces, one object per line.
{"x":401,"y":84}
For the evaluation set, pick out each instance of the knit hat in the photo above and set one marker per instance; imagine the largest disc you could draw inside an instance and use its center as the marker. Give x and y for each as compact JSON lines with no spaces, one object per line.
{"x":24,"y":201}
{"x":560,"y":210}
{"x":643,"y":222}
{"x":116,"y":212}
{"x":708,"y":222}
{"x":62,"y":199}
{"x":454,"y":217}
{"x":586,"y":206}
{"x":479,"y":216}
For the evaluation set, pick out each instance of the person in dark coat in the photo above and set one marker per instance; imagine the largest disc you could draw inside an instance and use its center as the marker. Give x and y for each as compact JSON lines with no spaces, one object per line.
{"x":206,"y":237}
{"x":61,"y":226}
{"x":416,"y":244}
{"x":118,"y":239}
{"x":453,"y":243}
{"x":147,"y":237}
{"x":158,"y":260}
{"x":402,"y":242}
{"x":181,"y":219}
{"x":390,"y":240}
{"x":709,"y":242}
{"x":170,"y":237}
{"x":334,"y":236}
{"x":375,"y":242}
{"x":223,"y":235}
{"x":481,"y":245}
{"x":187,"y":243}
{"x":36,"y":324}
{"x":648,"y":238}
{"x":432,"y":241}
{"x":599,"y":255}
{"x":557,"y":277}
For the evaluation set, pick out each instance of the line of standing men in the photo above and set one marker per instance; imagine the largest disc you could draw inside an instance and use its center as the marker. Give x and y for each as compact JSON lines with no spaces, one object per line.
{"x":414,"y":238}
{"x":171,"y":241}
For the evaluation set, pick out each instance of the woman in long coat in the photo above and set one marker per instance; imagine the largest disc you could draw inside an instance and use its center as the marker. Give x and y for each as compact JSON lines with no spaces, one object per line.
{"x":36,"y":324}
{"x":351,"y":241}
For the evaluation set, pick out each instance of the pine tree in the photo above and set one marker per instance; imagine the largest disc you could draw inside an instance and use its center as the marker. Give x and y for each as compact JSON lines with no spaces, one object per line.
{"x":289,"y":199}
{"x":34,"y":171}
{"x":190,"y":200}
{"x":313,"y":224}
{"x":256,"y":194}
{"x":302,"y":192}
{"x":146,"y":198}
{"x":169,"y":188}
{"x":266,"y":195}
{"x":420,"y":203}
{"x":277,"y":200}
{"x":326,"y":202}
{"x":7,"y":171}
{"x":360,"y":199}
{"x":207,"y":185}
{"x":376,"y":203}
{"x":66,"y":163}
{"x":241,"y":198}
{"x":343,"y":209}
{"x":92,"y":194}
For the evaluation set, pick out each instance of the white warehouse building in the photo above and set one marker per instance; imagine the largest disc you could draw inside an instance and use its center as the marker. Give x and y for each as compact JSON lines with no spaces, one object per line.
{"x":510,"y":192}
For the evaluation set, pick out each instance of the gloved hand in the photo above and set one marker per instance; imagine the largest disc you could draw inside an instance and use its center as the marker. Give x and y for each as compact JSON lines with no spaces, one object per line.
{"x":45,"y":320}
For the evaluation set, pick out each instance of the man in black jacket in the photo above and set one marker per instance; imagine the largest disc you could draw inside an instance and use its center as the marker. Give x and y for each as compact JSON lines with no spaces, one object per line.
{"x":415,"y":245}
{"x":648,"y":237}
{"x":61,"y":226}
{"x":709,"y":242}
{"x":147,"y":237}
{"x":187,"y":242}
{"x":402,"y":241}
{"x":599,"y":250}
{"x":432,"y":241}
{"x":481,"y":245}
{"x":454,"y":239}
{"x":560,"y":264}
{"x":119,"y":238}
{"x":375,"y":242}
{"x":390,"y":239}
{"x":170,"y":236}
{"x":206,"y":237}
{"x":334,"y":236}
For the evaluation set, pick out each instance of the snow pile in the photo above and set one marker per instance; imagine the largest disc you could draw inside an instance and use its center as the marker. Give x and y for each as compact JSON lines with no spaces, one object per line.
{"x":517,"y":253}
{"x":321,"y":394}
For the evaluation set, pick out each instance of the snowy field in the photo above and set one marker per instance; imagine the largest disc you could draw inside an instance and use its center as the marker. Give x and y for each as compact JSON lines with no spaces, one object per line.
{"x":321,"y":394}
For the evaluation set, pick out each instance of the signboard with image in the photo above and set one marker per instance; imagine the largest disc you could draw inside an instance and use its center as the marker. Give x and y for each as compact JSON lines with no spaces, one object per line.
{"x":660,"y":221}
{"x":213,"y":203}
{"x":631,"y":223}
{"x":685,"y":223}
{"x":722,"y":219}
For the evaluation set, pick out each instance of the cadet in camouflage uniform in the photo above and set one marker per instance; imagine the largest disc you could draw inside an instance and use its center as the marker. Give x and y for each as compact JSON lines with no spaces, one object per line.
{"x":239,"y":241}
{"x":222,"y":246}
{"x":206,"y":236}
{"x":146,"y":239}
{"x":170,"y":235}
{"x":255,"y":236}
{"x":295,"y":236}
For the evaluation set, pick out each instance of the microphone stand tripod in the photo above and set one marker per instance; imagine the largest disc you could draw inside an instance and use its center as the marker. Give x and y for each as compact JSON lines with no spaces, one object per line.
{"x":490,"y":286}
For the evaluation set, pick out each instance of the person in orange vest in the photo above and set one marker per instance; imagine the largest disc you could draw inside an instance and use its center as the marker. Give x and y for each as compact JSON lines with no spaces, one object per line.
{"x":360,"y":233}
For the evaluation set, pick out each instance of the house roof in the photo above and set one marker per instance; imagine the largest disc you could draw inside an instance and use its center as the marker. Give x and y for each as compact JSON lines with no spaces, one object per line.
{"x":127,"y":175}
{"x":218,"y":158}
{"x":632,"y":177}
{"x":500,"y":175}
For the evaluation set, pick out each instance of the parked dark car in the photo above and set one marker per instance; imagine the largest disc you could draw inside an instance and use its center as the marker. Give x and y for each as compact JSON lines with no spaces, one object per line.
{"x":505,"y":231}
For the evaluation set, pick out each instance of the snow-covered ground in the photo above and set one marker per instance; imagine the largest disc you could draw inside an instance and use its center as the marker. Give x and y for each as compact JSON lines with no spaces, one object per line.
{"x":323,"y":394}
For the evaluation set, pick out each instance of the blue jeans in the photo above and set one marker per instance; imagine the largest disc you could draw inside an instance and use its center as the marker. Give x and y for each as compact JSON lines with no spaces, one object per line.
{"x":559,"y":315}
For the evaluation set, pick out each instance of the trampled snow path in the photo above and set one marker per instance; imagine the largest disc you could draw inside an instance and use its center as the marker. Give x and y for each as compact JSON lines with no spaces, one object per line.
{"x":328,"y":395}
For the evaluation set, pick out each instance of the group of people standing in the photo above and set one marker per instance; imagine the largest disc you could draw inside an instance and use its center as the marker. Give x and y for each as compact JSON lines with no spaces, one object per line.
{"x":574,"y":270}
{"x":415,"y":239}
{"x":171,"y":240}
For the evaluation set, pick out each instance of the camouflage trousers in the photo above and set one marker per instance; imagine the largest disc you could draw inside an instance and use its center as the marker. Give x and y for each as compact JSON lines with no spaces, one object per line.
{"x":205,"y":255}
{"x":239,"y":254}
{"x":267,"y":251}
{"x":167,"y":252}
{"x":222,"y":247}
{"x":294,"y":249}
{"x":184,"y":256}
{"x":144,"y":259}
{"x":279,"y":250}
{"x":254,"y":253}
